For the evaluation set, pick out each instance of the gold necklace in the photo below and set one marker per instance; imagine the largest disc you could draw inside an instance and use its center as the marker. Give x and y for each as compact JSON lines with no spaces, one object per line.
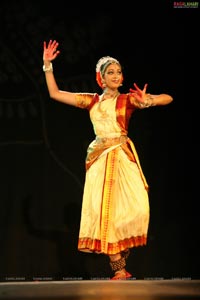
{"x":103,"y":112}
{"x":112,"y":96}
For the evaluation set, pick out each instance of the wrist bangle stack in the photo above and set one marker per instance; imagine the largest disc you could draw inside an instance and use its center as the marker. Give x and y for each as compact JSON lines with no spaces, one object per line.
{"x":148,"y":102}
{"x":48,"y":69}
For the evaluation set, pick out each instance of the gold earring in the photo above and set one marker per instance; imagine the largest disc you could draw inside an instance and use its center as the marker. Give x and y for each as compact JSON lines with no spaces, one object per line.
{"x":103,"y":84}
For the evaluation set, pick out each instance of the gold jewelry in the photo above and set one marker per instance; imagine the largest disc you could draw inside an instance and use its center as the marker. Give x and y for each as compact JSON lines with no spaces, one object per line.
{"x":148,"y":102}
{"x":48,"y":69}
{"x":103,"y":112}
{"x":103,"y":62}
{"x":103,"y":85}
{"x":113,"y":97}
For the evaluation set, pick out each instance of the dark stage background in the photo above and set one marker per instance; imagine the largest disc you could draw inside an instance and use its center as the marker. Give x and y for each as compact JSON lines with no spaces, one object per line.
{"x":43,"y":143}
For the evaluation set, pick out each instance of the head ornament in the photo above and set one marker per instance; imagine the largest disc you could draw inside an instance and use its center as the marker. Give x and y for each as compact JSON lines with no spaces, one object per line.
{"x":103,"y":61}
{"x":101,"y":66}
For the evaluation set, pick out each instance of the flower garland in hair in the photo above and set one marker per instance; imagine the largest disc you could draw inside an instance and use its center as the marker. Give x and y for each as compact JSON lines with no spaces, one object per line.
{"x":101,"y":62}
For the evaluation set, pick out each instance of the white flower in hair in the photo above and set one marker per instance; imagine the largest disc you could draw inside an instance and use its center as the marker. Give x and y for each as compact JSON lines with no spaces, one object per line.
{"x":103,"y":61}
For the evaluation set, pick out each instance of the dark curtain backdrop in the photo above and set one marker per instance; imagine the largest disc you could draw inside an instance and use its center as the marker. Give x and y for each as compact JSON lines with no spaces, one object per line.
{"x":43,"y":143}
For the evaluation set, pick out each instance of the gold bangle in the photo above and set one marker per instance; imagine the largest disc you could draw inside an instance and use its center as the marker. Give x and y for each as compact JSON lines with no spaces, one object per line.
{"x":48,"y":69}
{"x":148,"y":102}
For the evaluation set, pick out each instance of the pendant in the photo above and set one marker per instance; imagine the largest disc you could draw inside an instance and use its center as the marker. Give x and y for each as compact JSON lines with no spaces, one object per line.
{"x":104,"y":114}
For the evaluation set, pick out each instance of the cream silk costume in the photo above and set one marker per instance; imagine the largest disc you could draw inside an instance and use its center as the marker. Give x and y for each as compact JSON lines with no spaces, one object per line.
{"x":115,"y":206}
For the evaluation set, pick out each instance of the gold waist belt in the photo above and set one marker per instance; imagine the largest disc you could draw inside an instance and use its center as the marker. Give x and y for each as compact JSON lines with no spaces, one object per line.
{"x":111,"y":140}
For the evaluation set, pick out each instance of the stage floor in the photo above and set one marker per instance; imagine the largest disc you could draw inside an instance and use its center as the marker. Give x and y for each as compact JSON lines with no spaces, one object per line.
{"x":101,"y":290}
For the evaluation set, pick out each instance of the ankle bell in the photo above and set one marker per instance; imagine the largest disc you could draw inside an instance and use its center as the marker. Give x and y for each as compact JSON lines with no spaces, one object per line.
{"x":118,"y":264}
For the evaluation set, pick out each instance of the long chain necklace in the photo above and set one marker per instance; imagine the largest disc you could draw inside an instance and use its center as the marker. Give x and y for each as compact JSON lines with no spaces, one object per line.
{"x":103,"y":112}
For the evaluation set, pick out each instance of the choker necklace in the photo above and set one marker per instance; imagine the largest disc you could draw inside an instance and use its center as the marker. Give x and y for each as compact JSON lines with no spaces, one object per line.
{"x":111,"y":97}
